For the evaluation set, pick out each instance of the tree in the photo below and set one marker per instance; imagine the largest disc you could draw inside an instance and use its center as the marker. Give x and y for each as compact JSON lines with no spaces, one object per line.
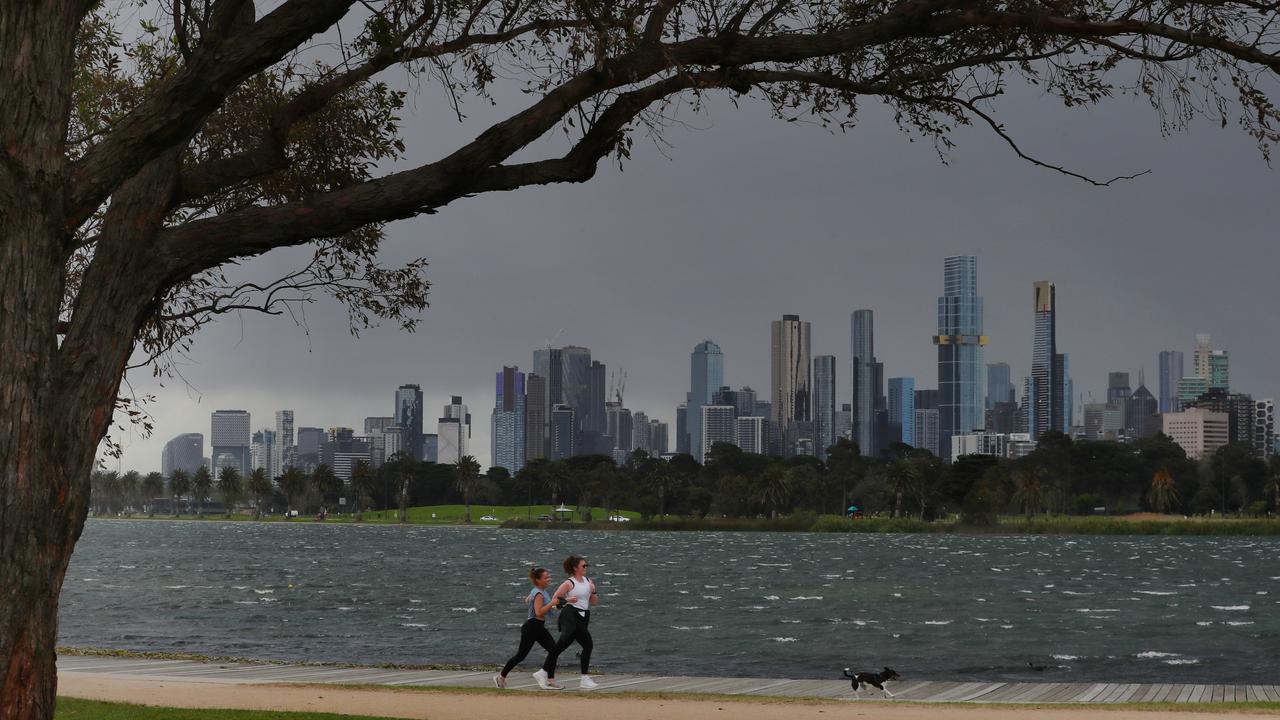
{"x":201,"y":488}
{"x":259,"y":490}
{"x":844,"y":460}
{"x":179,"y":485}
{"x":362,"y":483}
{"x":136,"y":167}
{"x":229,"y":487}
{"x":1028,"y":492}
{"x":325,"y":483}
{"x":152,"y":488}
{"x":774,"y":488}
{"x":468,"y":474}
{"x":293,"y":483}
{"x":401,"y":467}
{"x":1163,"y":494}
{"x":129,"y":483}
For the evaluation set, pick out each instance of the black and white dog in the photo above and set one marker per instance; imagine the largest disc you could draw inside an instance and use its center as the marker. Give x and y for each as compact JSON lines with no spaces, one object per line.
{"x":875,"y":680}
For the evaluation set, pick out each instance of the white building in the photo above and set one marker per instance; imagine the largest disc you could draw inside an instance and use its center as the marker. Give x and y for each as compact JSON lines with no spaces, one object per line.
{"x":718,"y":425}
{"x":753,"y":434}
{"x":1198,"y":431}
{"x":454,"y":430}
{"x":984,"y":443}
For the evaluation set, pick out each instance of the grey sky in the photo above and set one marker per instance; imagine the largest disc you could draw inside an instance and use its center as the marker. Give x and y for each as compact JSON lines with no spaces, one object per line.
{"x":749,"y":218}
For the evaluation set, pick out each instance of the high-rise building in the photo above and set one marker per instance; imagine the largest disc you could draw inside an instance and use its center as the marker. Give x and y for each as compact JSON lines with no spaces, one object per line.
{"x":753,"y":434}
{"x":902,"y":410}
{"x":454,"y":432}
{"x":535,"y":416}
{"x":262,"y":452}
{"x":1264,"y":428}
{"x":706,"y":375}
{"x":1189,"y":389}
{"x":1003,"y":418}
{"x":431,"y":447}
{"x":1219,"y":370}
{"x":844,"y":422}
{"x":640,"y":432}
{"x":508,"y":421}
{"x":1239,"y":408}
{"x":184,"y":452}
{"x":1118,"y":389}
{"x":284,"y":448}
{"x":682,"y":428}
{"x":999,"y":384}
{"x":824,"y":404}
{"x":596,"y":398}
{"x":230,"y":440}
{"x":1141,"y":413}
{"x":1200,"y":357}
{"x":1048,"y":389}
{"x":564,"y":435}
{"x":408,"y":416}
{"x":1170,"y":373}
{"x":548,"y":363}
{"x":719,"y":424}
{"x":926,"y":430}
{"x":790,"y":370}
{"x":1200,"y":432}
{"x":746,"y":401}
{"x":311,"y":442}
{"x":576,"y":384}
{"x":866,"y":391}
{"x":619,"y":426}
{"x":960,"y":341}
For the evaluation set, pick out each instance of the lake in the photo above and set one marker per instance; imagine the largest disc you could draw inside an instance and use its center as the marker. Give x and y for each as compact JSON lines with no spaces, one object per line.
{"x":939,"y":607}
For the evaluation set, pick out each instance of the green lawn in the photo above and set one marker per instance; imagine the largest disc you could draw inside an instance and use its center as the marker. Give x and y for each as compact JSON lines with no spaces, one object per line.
{"x":75,"y":709}
{"x":425,"y":515}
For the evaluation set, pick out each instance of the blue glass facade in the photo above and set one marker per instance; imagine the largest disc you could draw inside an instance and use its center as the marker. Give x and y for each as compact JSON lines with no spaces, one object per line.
{"x":706,"y":375}
{"x":959,"y":341}
{"x":902,"y":411}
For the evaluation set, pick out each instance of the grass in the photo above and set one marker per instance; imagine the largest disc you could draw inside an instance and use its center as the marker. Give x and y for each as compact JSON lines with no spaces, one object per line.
{"x":76,"y":709}
{"x":424,"y":515}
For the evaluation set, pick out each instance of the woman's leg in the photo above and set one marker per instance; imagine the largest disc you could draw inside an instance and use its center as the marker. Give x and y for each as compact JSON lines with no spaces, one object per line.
{"x":584,"y":639}
{"x":570,"y":619}
{"x":528,"y":636}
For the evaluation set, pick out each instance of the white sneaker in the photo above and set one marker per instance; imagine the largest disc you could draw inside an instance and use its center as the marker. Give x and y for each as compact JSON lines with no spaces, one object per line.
{"x":587,"y":683}
{"x":553,"y":684}
{"x":541,"y":677}
{"x":499,"y":682}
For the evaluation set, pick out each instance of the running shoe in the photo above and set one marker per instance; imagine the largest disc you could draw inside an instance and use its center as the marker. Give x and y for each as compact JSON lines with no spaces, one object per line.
{"x":541,"y":677}
{"x":551,"y":683}
{"x":499,"y":682}
{"x":587,"y":683}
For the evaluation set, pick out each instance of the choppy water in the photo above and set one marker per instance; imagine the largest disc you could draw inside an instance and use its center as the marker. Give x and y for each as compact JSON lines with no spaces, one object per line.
{"x":1134,"y":609}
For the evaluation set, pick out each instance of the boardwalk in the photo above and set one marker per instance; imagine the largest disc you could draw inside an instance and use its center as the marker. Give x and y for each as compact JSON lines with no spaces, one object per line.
{"x":833,"y":688}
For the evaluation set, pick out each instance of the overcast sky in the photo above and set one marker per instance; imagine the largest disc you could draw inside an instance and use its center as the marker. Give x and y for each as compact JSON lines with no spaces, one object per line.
{"x":747,"y":218}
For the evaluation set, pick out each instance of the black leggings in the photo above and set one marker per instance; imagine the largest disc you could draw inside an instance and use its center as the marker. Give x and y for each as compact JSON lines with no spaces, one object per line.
{"x":533,"y":631}
{"x":573,"y":627}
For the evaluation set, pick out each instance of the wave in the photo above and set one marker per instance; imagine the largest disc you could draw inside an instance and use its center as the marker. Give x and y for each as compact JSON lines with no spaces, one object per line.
{"x":1155,"y":592}
{"x":1065,"y":657}
{"x":1230,"y":607}
{"x":465,"y":610}
{"x":785,"y":639}
{"x":692,"y":627}
{"x":937,"y":622}
{"x":807,"y":597}
{"x":1182,"y":661}
{"x":1157,"y":654}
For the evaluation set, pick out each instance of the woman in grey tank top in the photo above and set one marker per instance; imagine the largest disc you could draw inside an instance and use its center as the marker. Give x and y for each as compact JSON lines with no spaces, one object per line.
{"x":534,"y":629}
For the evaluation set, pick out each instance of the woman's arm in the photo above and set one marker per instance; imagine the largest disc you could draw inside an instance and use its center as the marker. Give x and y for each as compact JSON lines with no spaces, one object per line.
{"x":540,"y":607}
{"x":595,"y":596}
{"x":565,"y":587}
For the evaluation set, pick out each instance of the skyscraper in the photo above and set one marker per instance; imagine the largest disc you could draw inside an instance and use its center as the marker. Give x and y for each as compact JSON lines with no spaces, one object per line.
{"x":719,"y":424}
{"x":753,"y":434}
{"x":563,"y":433}
{"x":408,"y":415}
{"x":1219,"y":370}
{"x":706,"y":375}
{"x":1170,"y":373}
{"x":1048,"y":393}
{"x":548,"y":363}
{"x":454,"y":431}
{"x":535,"y":417}
{"x":790,"y":368}
{"x":230,"y":440}
{"x":262,"y":452}
{"x":999,"y":384}
{"x":596,"y":398}
{"x":1200,"y":356}
{"x":576,"y":385}
{"x":184,"y":452}
{"x":866,"y":389}
{"x":284,"y":440}
{"x":824,"y":405}
{"x":902,"y":411}
{"x":508,"y":422}
{"x":959,"y":341}
{"x":682,"y":428}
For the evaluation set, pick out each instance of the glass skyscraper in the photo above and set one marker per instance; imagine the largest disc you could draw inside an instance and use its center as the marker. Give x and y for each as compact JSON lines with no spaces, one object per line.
{"x":408,"y":417}
{"x":792,"y":371}
{"x":706,"y":375}
{"x":902,"y":411}
{"x":824,"y":405}
{"x":1170,"y":374}
{"x":959,"y":341}
{"x":1048,"y":367}
{"x":508,"y":423}
{"x":866,"y":386}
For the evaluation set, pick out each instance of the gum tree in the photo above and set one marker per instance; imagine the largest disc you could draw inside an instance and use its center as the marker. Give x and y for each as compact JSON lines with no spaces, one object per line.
{"x":136,"y":165}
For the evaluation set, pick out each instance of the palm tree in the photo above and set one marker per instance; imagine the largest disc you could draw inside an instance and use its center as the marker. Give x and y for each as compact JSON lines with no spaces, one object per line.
{"x":129,"y":483}
{"x":402,"y":466}
{"x":104,"y":489}
{"x":661,"y":479}
{"x":902,"y":475}
{"x":1163,"y":493}
{"x":775,"y":487}
{"x":325,"y":483}
{"x":293,"y":483}
{"x":555,"y":478}
{"x":259,"y":489}
{"x":229,"y":486}
{"x":362,"y":478}
{"x":201,"y":488}
{"x":179,"y":485}
{"x":1028,"y":492}
{"x":468,"y":475}
{"x":152,"y":488}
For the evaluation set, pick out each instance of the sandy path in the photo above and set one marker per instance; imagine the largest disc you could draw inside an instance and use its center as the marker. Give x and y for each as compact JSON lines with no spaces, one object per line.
{"x":443,"y":705}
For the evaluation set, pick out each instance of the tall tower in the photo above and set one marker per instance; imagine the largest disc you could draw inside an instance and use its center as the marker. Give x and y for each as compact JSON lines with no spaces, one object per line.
{"x":959,"y":341}
{"x":535,"y":417}
{"x":1046,"y":364}
{"x":865,"y":386}
{"x":1170,"y":374}
{"x":790,"y":367}
{"x":408,"y":416}
{"x":284,"y":439}
{"x":1200,"y":356}
{"x":706,"y":375}
{"x":824,"y":406}
{"x":508,"y":420}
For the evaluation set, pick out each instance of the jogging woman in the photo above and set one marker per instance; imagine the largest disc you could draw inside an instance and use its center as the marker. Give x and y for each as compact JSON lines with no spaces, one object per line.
{"x":534,"y":629}
{"x":579,"y":594}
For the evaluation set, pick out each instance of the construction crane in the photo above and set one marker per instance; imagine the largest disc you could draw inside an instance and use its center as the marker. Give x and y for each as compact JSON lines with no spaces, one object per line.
{"x":621,"y":386}
{"x":547,"y":343}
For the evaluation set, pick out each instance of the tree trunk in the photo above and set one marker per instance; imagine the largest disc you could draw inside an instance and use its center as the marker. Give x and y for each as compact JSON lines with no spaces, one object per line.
{"x":404,"y":499}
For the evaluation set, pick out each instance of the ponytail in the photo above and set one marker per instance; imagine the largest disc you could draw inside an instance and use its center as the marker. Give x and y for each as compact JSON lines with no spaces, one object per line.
{"x":536,"y":572}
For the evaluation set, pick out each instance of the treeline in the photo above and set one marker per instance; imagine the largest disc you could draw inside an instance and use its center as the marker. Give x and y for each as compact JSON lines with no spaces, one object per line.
{"x":1060,"y":477}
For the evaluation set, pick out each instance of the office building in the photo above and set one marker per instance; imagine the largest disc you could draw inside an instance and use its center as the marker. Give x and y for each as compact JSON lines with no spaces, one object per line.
{"x":790,"y":368}
{"x":576,"y":383}
{"x":1264,"y":428}
{"x":960,"y":340}
{"x":262,"y":452}
{"x":596,"y":398}
{"x":682,"y":429}
{"x":824,"y":404}
{"x":508,"y":420}
{"x":1198,"y":431}
{"x":658,"y":438}
{"x":1239,"y":408}
{"x":1219,"y":370}
{"x":746,"y":400}
{"x":184,"y":452}
{"x":1200,"y":357}
{"x":844,"y":422}
{"x":1003,"y":418}
{"x":284,"y":447}
{"x":1118,"y":389}
{"x":535,"y":416}
{"x":408,"y":416}
{"x":431,"y":447}
{"x":1141,"y":413}
{"x":453,"y":432}
{"x":640,"y":432}
{"x":1170,"y":373}
{"x":753,"y":434}
{"x":902,"y":411}
{"x":866,"y":388}
{"x":706,"y":375}
{"x":230,"y":440}
{"x":999,"y":384}
{"x":1190,"y":389}
{"x":927,"y":430}
{"x":1048,"y":394}
{"x":719,"y":424}
{"x":564,"y":435}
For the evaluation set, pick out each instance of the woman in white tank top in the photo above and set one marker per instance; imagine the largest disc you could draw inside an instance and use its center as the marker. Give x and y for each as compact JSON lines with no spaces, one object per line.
{"x":578,"y":594}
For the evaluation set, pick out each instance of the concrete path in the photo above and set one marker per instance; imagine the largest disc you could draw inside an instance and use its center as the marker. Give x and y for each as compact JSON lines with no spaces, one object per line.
{"x":833,"y":688}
